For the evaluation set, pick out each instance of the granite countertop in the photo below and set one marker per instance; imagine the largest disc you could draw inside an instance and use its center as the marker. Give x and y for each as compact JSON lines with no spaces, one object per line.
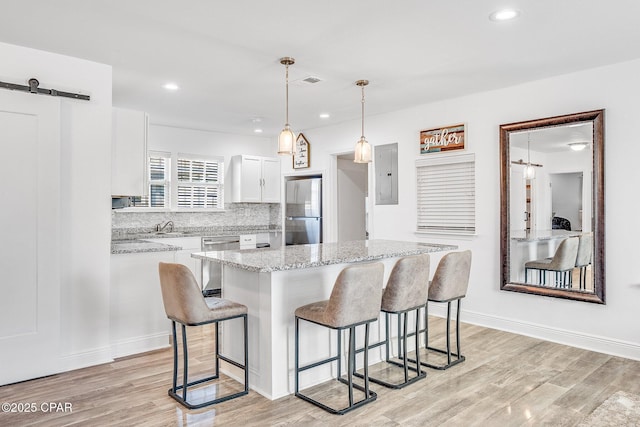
{"x":316,"y":255}
{"x":136,"y":241}
{"x":541,"y":235}
{"x":140,"y":246}
{"x":142,"y":233}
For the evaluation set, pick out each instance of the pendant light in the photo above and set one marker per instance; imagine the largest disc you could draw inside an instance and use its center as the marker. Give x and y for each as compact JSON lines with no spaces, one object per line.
{"x":529,"y":170}
{"x":363,"y":149}
{"x":286,"y":137}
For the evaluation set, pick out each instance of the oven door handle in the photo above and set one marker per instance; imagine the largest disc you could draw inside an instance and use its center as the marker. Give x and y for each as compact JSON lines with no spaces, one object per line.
{"x":218,"y":242}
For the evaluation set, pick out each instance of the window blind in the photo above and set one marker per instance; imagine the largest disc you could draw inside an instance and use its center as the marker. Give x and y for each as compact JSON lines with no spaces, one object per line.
{"x":158,"y":194}
{"x":200,"y":182}
{"x":446,"y":194}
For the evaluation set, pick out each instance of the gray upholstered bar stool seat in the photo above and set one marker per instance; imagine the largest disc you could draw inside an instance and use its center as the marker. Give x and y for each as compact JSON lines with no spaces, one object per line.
{"x":184,"y":304}
{"x":355,"y":300}
{"x":562,"y":263}
{"x":450,"y":283}
{"x":406,"y":291}
{"x":584,"y":256}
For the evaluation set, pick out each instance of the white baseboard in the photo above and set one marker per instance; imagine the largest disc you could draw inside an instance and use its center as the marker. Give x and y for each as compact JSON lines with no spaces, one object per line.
{"x":121,"y":348}
{"x":85,"y":359}
{"x":139,"y":344}
{"x":561,"y":336}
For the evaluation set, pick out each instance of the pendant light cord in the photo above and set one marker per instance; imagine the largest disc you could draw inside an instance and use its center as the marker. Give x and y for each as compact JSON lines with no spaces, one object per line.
{"x":287,"y":94}
{"x":362,"y":111}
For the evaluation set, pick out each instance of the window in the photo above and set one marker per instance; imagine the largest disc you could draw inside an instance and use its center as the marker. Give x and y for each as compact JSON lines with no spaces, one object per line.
{"x":446,"y":194}
{"x":200,"y":182}
{"x":159,"y":167}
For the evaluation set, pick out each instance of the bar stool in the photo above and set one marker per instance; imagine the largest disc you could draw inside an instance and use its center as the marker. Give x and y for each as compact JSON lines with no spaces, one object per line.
{"x":450,"y":283}
{"x":563,"y":261}
{"x":184,"y":304}
{"x":583,"y":258}
{"x":355,"y":300}
{"x":407,"y":290}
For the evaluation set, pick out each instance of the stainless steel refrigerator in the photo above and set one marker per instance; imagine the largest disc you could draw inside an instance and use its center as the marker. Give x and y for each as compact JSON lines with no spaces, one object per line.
{"x":303,"y":211}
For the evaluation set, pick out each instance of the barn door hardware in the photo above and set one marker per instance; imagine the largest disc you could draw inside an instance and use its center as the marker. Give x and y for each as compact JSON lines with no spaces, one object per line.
{"x":33,"y":88}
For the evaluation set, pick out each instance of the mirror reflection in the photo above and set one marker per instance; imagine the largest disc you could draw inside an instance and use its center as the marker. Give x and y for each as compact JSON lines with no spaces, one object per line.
{"x":550,"y":202}
{"x":552,"y":207}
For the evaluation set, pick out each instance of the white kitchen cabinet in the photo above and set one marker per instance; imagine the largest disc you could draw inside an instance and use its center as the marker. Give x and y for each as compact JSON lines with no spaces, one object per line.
{"x":255,"y":179}
{"x":129,"y":152}
{"x":138,"y":322}
{"x":189,"y":245}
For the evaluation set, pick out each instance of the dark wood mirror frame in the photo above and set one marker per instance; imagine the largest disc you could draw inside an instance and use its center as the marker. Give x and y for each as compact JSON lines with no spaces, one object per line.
{"x":597,"y":118}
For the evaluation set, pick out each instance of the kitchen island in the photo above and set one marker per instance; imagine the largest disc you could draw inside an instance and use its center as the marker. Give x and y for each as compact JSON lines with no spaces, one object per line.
{"x":272,"y":283}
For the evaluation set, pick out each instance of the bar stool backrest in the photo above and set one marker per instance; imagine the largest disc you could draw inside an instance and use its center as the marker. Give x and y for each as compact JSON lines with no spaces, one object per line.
{"x":585,"y":249}
{"x":451,"y":278}
{"x":181,"y":294}
{"x":408,"y":284}
{"x":565,"y":257}
{"x":356,"y":295}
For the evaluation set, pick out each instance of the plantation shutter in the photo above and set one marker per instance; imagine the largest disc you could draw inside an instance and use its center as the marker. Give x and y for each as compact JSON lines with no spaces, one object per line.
{"x":200,"y":182}
{"x":446,"y":196}
{"x":158,"y":195}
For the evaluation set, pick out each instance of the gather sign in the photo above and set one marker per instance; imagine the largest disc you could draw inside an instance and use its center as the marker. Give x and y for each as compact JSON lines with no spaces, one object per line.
{"x":442,"y":139}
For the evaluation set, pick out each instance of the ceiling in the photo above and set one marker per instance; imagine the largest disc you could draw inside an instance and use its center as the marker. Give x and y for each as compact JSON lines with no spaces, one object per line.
{"x":225,"y":55}
{"x":553,"y":139}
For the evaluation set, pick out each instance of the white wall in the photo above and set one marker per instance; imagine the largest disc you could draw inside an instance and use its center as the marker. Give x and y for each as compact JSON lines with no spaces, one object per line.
{"x":85,"y":194}
{"x":182,"y":140}
{"x":611,"y":328}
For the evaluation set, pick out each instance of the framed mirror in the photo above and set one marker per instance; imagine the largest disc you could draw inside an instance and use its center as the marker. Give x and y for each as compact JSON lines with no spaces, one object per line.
{"x":552,"y":206}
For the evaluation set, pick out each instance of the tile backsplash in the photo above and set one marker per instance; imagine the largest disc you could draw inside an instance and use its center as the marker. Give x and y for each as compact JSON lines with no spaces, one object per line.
{"x":235,"y":215}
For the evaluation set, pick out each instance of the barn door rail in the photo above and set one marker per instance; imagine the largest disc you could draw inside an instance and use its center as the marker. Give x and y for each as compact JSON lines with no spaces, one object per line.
{"x":33,"y":88}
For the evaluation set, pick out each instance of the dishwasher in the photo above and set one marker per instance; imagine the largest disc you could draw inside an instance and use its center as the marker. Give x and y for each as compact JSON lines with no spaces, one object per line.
{"x":211,"y":271}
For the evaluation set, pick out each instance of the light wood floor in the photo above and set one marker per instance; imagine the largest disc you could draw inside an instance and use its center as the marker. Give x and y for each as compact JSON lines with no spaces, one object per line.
{"x":507,"y":380}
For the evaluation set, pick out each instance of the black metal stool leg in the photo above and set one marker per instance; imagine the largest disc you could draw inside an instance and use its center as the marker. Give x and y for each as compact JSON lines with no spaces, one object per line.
{"x":387,"y":332}
{"x":366,"y":360}
{"x":448,"y":333}
{"x":404,"y":348}
{"x":185,"y":373}
{"x":246,"y":353}
{"x":175,"y":356}
{"x":217,"y":335}
{"x":418,"y":366}
{"x":458,"y":328}
{"x":447,"y":350}
{"x":352,"y":362}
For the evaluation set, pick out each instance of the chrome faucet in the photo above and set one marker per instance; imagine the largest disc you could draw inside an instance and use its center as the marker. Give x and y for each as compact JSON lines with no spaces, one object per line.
{"x":160,"y":227}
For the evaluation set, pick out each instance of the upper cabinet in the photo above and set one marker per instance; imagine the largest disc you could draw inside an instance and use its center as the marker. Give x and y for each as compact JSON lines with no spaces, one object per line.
{"x":129,"y":153}
{"x":255,"y":179}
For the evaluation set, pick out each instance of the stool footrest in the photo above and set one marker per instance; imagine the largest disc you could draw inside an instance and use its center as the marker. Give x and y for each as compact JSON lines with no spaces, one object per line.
{"x":372,"y":396}
{"x":459,"y":359}
{"x":207,"y":403}
{"x":318,"y":363}
{"x":395,"y":385}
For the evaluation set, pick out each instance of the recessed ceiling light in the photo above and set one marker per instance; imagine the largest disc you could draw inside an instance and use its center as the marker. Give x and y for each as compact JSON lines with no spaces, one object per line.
{"x":504,"y":15}
{"x":578,"y":146}
{"x":257,"y":130}
{"x":324,"y":115}
{"x":170,"y":86}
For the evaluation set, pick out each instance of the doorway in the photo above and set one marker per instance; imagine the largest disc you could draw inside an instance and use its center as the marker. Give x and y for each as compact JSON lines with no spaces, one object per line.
{"x":352,"y":198}
{"x":566,"y":200}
